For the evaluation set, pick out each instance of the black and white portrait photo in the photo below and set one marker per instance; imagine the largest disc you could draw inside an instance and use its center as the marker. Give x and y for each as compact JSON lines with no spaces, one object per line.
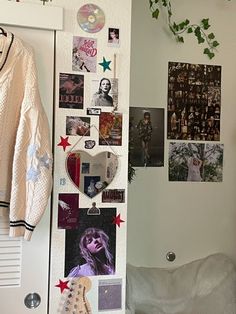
{"x":104,"y":92}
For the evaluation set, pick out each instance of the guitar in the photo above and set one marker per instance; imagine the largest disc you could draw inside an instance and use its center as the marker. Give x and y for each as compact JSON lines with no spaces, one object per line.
{"x":74,"y":300}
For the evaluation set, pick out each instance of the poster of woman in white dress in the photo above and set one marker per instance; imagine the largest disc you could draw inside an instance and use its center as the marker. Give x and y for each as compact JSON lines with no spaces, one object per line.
{"x":194,"y":162}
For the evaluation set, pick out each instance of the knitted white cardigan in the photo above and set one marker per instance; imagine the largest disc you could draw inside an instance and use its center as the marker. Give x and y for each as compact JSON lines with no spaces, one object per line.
{"x":25,"y":153}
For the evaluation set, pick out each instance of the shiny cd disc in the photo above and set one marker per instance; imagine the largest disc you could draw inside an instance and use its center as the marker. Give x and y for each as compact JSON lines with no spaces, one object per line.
{"x":91,"y":18}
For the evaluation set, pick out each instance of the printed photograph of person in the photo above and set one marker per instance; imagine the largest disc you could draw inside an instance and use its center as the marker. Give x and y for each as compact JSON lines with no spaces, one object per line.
{"x":77,"y":126}
{"x":113,"y":37}
{"x":146,"y":137}
{"x":90,"y":250}
{"x":90,"y":185}
{"x":71,"y":91}
{"x":194,"y":102}
{"x":194,"y":162}
{"x":194,"y":167}
{"x":101,"y":97}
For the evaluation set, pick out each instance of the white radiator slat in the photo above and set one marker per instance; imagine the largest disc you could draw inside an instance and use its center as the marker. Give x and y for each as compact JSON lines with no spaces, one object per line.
{"x":10,"y":269}
{"x":10,"y":257}
{"x":14,"y":263}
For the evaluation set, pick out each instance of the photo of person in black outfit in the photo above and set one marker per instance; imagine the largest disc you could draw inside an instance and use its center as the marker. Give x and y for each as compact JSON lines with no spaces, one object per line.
{"x":146,"y":137}
{"x":145,"y":134}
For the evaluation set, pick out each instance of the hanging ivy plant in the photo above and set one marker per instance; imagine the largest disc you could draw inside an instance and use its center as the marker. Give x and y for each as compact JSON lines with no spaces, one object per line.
{"x":200,"y":31}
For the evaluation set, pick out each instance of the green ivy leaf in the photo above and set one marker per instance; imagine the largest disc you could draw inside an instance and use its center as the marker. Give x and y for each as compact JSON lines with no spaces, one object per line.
{"x":164,"y":3}
{"x":200,"y":40}
{"x":187,"y":22}
{"x":211,"y":36}
{"x":155,"y":14}
{"x":190,"y":30}
{"x":215,"y":43}
{"x":205,"y":23}
{"x":150,"y":3}
{"x":197,"y":31}
{"x":211,"y":55}
{"x":181,"y":25}
{"x":180,"y":39}
{"x":176,"y":27}
{"x":169,"y":13}
{"x":206,"y":51}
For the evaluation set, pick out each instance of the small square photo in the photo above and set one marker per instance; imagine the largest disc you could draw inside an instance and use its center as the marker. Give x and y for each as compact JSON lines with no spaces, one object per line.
{"x":113,"y":37}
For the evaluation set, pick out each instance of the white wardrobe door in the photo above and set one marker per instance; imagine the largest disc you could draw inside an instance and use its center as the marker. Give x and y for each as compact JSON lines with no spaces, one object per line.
{"x":34,"y":256}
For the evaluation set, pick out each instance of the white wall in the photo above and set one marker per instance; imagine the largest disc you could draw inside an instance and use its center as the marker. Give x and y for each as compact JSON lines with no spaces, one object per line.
{"x":193,"y":220}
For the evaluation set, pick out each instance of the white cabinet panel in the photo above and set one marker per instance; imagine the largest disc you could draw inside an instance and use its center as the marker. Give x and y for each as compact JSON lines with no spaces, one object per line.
{"x":34,"y":259}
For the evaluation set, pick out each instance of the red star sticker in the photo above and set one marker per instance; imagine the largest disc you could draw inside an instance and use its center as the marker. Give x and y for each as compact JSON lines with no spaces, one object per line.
{"x":62,"y":285}
{"x":64,"y":142}
{"x":117,"y":221}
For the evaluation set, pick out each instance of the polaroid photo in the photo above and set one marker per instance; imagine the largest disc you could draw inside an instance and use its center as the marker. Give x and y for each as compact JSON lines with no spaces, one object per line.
{"x":113,"y":37}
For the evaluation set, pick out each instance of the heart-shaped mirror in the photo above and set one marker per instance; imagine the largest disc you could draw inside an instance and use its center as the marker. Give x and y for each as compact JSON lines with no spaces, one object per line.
{"x":91,"y":174}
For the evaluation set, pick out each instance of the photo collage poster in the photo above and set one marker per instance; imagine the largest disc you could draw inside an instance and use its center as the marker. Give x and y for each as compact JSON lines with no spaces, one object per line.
{"x":194,"y":102}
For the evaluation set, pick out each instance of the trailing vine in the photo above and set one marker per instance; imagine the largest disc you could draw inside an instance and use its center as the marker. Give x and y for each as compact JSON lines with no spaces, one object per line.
{"x":185,"y":26}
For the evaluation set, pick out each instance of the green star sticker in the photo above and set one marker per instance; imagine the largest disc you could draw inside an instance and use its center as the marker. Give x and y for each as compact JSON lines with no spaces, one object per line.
{"x":105,"y":64}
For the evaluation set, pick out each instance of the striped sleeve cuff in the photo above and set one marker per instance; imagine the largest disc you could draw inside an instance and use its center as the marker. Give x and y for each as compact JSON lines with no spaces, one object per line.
{"x":20,"y":228}
{"x":4,"y":204}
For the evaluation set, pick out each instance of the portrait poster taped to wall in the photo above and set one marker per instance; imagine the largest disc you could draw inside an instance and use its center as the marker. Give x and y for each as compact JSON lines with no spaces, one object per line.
{"x":104,"y":92}
{"x":194,"y":101}
{"x":196,"y":162}
{"x":71,"y":91}
{"x":84,"y":54}
{"x":146,"y":137}
{"x":90,"y":250}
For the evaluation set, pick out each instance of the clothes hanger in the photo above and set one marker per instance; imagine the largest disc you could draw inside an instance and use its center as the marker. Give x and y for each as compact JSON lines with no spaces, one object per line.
{"x":3,"y":32}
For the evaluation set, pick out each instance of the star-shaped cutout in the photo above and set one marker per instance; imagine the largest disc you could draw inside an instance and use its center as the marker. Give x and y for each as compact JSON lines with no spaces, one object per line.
{"x":117,"y":221}
{"x":64,"y":142}
{"x":45,"y":161}
{"x":62,"y":285}
{"x":105,"y":64}
{"x":32,"y":174}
